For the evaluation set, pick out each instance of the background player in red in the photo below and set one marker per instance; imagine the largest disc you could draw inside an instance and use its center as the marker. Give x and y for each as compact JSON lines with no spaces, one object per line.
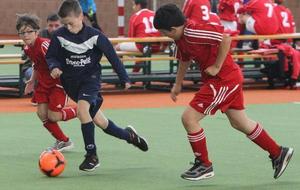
{"x":285,"y":17}
{"x":141,"y":25}
{"x":198,"y":10}
{"x":259,"y":17}
{"x":48,"y":92}
{"x":221,"y":89}
{"x":227,"y":11}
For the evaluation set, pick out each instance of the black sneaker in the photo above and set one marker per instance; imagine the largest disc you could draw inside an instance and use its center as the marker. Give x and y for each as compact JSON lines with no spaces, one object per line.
{"x":90,"y":163}
{"x":198,"y":171}
{"x":281,"y":162}
{"x":136,"y":140}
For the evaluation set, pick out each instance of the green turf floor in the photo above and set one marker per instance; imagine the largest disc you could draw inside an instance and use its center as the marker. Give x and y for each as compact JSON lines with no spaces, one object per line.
{"x":238,"y":163}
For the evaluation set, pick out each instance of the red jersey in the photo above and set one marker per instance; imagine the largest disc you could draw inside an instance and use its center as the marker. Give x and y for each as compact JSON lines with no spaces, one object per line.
{"x":262,"y":11}
{"x":141,"y":25}
{"x":198,"y":10}
{"x":228,"y":9}
{"x":286,"y":19}
{"x":37,"y":54}
{"x":200,"y":42}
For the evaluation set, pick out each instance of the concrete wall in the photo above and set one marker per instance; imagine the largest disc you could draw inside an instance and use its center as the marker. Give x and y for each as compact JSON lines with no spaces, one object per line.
{"x":107,"y":12}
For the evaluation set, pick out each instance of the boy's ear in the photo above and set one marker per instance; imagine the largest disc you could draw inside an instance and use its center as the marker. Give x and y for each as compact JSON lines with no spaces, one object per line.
{"x":81,"y":16}
{"x":174,"y":29}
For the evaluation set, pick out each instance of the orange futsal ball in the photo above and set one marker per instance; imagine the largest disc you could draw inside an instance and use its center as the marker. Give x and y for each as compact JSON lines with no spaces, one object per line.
{"x":52,"y":163}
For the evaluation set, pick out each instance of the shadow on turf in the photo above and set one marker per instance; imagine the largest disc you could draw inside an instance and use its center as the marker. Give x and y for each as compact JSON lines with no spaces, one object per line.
{"x":122,"y":172}
{"x":272,"y":185}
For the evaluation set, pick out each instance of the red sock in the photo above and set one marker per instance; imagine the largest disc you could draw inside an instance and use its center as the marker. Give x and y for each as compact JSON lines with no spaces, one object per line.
{"x":68,"y":113}
{"x":260,"y":137}
{"x":55,"y":130}
{"x":198,"y":143}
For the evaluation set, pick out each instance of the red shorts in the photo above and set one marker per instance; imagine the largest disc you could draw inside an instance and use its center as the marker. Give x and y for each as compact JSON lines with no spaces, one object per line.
{"x":55,"y":97}
{"x":218,"y":94}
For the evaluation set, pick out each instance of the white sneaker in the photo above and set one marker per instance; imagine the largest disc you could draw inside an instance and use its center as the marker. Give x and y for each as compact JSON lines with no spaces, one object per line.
{"x":63,"y":146}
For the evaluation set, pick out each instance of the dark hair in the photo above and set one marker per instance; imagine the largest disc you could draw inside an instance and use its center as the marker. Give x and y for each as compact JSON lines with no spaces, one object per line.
{"x":143,"y":3}
{"x":52,"y":17}
{"x":69,"y":7}
{"x":279,"y":2}
{"x":27,"y":20}
{"x":168,"y":16}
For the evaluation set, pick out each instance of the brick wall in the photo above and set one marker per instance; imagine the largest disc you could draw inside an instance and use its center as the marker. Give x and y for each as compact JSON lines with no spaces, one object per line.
{"x":294,"y":5}
{"x":107,"y":12}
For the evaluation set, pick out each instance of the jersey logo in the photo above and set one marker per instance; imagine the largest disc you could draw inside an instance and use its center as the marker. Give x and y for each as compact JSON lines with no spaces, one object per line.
{"x":200,"y":105}
{"x":78,"y":48}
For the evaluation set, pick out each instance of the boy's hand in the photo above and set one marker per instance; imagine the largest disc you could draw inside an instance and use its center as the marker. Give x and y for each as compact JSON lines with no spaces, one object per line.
{"x":176,"y":89}
{"x":127,"y":86}
{"x":212,"y":70}
{"x":55,"y":73}
{"x":29,"y":87}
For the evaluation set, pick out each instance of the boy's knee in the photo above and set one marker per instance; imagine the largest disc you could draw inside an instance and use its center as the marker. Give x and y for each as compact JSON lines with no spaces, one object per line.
{"x":41,"y":115}
{"x":102,"y":123}
{"x":186,"y":119}
{"x":234,"y":124}
{"x":54,"y":117}
{"x":95,"y":106}
{"x":81,"y":113}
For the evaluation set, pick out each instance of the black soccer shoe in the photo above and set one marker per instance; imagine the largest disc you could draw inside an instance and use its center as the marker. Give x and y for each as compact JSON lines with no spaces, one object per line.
{"x":281,"y":162}
{"x":136,"y":140}
{"x":198,"y":171}
{"x":90,"y":163}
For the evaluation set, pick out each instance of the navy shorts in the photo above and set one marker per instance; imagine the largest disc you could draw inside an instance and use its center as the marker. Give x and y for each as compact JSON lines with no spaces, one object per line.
{"x":85,"y":88}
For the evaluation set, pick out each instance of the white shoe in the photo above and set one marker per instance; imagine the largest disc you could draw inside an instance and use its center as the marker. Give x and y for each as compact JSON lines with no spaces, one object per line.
{"x":63,"y":146}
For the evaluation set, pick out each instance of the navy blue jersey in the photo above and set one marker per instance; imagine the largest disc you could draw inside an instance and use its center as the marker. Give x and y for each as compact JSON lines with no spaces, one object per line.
{"x":78,"y":55}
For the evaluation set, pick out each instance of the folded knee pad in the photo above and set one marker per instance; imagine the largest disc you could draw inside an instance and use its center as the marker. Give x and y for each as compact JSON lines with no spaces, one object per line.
{"x":95,"y":106}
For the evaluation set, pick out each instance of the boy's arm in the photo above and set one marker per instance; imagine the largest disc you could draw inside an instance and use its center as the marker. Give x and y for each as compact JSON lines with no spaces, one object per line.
{"x":223,"y":50}
{"x":53,"y":53}
{"x":182,"y":68}
{"x":30,"y":83}
{"x":104,"y":44}
{"x":187,"y":9}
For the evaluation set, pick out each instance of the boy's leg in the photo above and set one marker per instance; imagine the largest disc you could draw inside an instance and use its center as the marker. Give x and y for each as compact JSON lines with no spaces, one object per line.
{"x":52,"y":127}
{"x":91,"y":161}
{"x":129,"y":134}
{"x":68,"y":113}
{"x":57,"y":112}
{"x":57,"y":106}
{"x":280,"y":155}
{"x":64,"y":114}
{"x":202,"y":168}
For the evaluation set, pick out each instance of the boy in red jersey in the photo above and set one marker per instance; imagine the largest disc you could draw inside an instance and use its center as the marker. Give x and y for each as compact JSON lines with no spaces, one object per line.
{"x":198,"y":10}
{"x":285,"y":17}
{"x":48,"y":93}
{"x":221,"y":89}
{"x":141,"y":25}
{"x":228,"y":13}
{"x":259,"y":17}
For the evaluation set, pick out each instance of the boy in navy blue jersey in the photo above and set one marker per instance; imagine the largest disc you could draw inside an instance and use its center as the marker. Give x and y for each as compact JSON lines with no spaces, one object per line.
{"x":74,"y":55}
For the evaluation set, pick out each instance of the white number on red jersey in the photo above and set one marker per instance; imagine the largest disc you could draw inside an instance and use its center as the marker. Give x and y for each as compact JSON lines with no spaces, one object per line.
{"x":149,"y":27}
{"x":270,"y":9}
{"x":285,"y":19}
{"x":236,"y":7}
{"x":205,"y":12}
